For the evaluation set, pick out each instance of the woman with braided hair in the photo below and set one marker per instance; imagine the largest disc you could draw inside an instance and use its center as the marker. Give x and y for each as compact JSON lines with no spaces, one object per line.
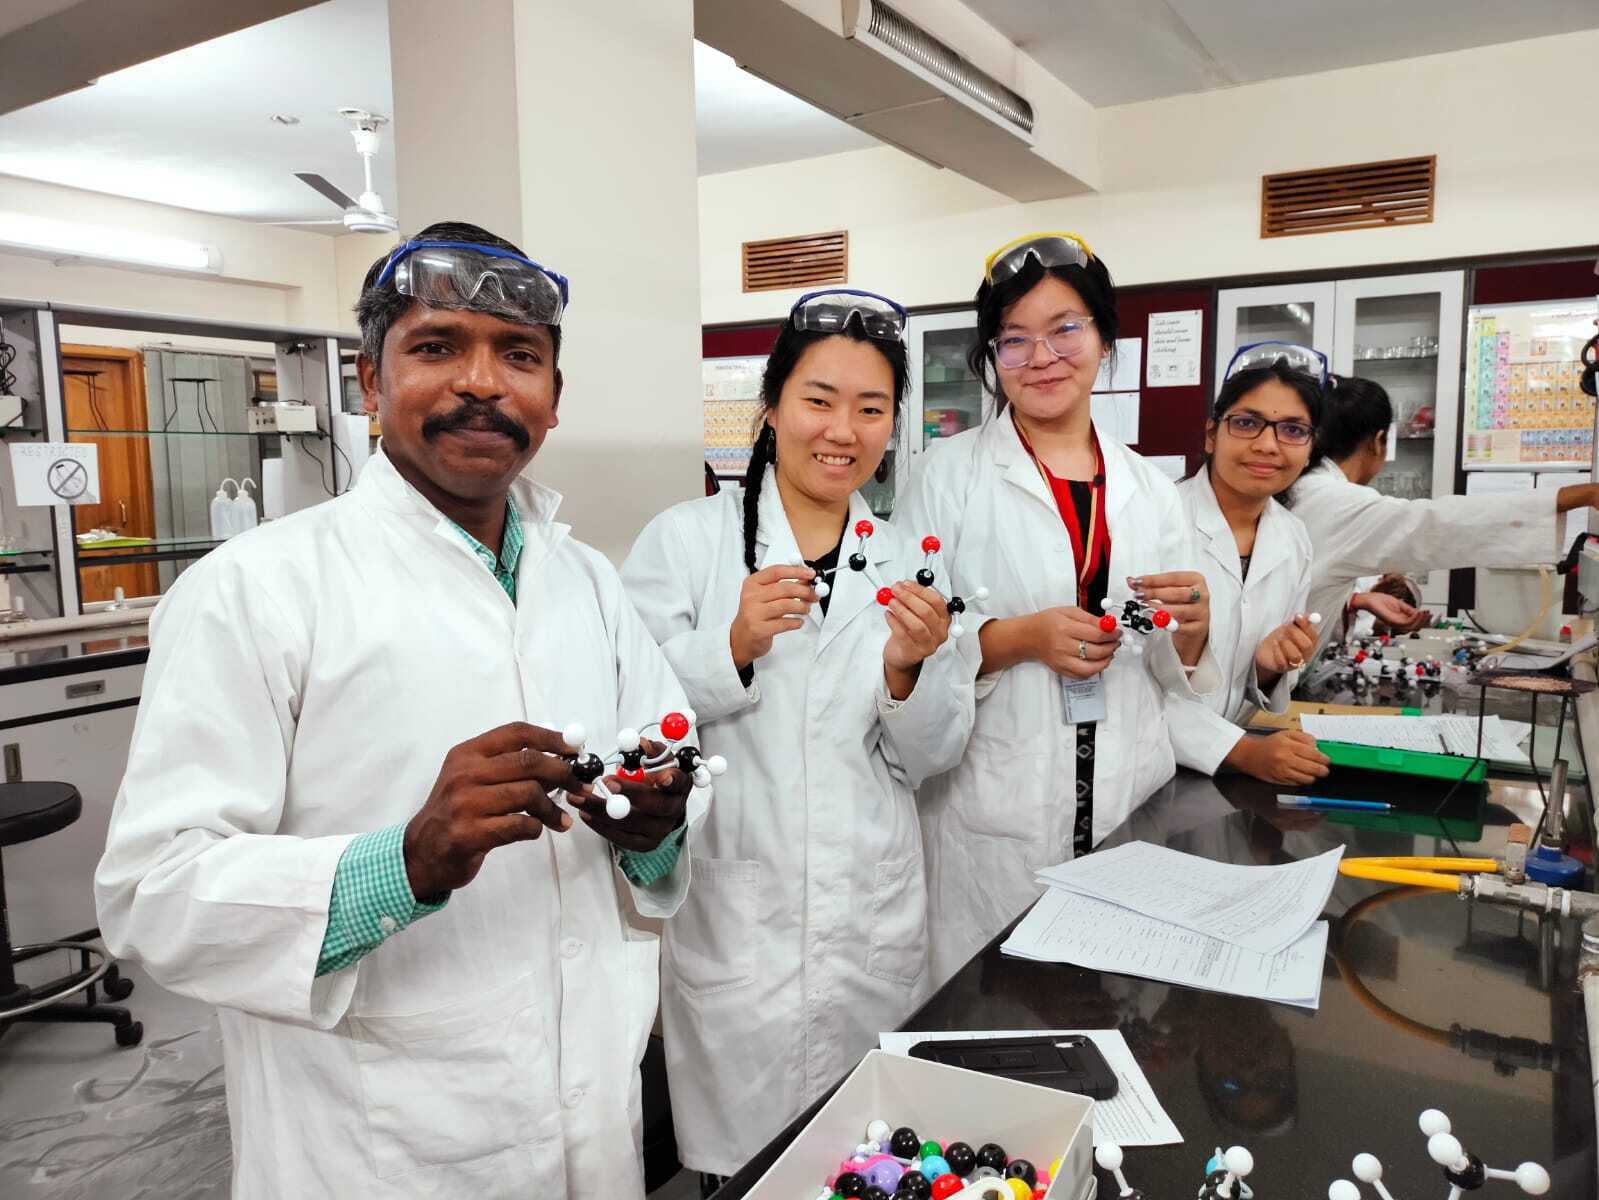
{"x":826,"y":675}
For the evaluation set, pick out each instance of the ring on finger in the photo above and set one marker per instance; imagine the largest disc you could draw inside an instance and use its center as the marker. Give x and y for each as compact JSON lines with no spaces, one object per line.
{"x":1296,"y":663}
{"x":1082,"y":649}
{"x":1195,"y":596}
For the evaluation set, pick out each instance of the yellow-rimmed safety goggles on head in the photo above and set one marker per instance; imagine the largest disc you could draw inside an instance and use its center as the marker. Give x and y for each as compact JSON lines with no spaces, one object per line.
{"x":1054,"y":249}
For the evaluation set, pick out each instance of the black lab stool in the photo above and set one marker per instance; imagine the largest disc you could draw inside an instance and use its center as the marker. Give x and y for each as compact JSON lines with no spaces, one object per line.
{"x":35,"y":810}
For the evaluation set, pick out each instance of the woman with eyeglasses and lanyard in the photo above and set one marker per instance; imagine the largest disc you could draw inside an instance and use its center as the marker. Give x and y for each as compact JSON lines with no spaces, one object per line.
{"x":1358,"y":531}
{"x":1053,"y":517}
{"x":1256,"y":554}
{"x":824,"y":674}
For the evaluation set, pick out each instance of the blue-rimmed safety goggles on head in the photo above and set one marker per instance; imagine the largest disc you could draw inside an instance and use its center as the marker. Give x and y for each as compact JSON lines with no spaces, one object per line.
{"x":472,"y":275}
{"x":1264,"y":354}
{"x":831,"y":311}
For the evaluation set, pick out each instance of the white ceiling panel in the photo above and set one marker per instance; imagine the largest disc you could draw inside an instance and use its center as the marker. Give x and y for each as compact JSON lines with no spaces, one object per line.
{"x":192,"y":128}
{"x":1123,"y":51}
{"x":1299,"y":37}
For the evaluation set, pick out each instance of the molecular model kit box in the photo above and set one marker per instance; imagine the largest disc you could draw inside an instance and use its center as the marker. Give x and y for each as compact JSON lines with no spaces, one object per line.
{"x":945,"y":1104}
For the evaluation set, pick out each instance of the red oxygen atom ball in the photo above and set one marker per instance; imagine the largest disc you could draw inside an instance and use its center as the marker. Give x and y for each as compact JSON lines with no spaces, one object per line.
{"x":1162,"y":618}
{"x":885,"y":596}
{"x":863,"y":528}
{"x":1108,"y":623}
{"x":930,"y":544}
{"x":945,"y":1186}
{"x":674,"y":726}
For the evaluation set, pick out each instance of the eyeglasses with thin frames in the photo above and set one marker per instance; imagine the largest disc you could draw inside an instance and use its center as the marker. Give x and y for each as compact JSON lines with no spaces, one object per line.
{"x":1012,"y":350}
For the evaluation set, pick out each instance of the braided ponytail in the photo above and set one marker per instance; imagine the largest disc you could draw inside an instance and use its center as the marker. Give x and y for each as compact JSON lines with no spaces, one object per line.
{"x":762,"y":453}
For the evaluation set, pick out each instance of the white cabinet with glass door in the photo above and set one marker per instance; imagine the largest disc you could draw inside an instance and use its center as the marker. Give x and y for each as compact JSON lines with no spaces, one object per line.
{"x":1298,"y":313}
{"x":944,"y":397}
{"x":1403,"y":332}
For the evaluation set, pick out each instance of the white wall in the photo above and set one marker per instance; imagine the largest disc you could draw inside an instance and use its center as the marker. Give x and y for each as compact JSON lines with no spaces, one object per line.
{"x":270,"y":275}
{"x":618,"y":213}
{"x":353,"y":254}
{"x":593,"y":107}
{"x":1181,"y":193}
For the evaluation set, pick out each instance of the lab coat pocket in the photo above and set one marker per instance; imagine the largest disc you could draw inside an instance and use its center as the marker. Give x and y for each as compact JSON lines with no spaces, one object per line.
{"x":710,"y":944}
{"x":1033,"y":783}
{"x":898,"y":949}
{"x":425,"y":1076}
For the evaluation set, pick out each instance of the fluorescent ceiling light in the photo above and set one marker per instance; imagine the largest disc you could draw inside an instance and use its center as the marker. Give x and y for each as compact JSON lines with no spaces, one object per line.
{"x":68,"y":239}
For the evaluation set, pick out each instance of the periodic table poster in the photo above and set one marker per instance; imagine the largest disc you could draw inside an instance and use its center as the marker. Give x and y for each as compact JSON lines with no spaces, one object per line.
{"x":1523,"y":406}
{"x":732,"y":405}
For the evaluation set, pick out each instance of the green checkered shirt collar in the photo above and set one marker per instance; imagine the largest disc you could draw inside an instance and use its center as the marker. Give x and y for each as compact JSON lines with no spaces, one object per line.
{"x":502,"y":568}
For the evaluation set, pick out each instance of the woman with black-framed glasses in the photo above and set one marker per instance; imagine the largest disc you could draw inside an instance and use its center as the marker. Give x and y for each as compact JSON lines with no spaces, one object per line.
{"x":1256,"y":558}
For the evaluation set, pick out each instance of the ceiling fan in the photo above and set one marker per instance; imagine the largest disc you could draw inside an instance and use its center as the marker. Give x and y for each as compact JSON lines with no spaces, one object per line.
{"x":367,"y":214}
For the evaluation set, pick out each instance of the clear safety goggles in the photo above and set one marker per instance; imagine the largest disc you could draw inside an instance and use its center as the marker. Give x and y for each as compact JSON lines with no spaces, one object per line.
{"x":829,"y":312}
{"x":1054,"y":249}
{"x":465,"y":274}
{"x":1263,"y":354}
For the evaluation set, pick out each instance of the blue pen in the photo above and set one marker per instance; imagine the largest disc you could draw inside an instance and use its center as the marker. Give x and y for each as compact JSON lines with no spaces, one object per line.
{"x":1285,"y":801}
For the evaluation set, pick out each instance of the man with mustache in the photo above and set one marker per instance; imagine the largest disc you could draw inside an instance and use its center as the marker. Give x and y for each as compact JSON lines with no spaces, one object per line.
{"x":343,"y":820}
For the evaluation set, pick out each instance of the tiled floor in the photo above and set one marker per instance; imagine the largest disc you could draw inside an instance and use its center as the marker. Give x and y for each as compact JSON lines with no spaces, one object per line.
{"x":81,"y":1119}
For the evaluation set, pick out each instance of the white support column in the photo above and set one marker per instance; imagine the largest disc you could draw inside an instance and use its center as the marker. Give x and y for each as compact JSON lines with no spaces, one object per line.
{"x":569,"y":129}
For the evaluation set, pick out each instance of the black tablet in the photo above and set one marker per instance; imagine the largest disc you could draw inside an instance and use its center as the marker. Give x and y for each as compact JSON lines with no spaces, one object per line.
{"x":1068,"y":1063}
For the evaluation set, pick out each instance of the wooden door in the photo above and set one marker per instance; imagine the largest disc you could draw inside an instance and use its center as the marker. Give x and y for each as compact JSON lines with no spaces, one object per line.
{"x":104,"y":389}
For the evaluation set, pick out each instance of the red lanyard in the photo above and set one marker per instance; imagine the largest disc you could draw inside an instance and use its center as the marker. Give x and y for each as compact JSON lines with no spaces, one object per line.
{"x":1089,"y":559}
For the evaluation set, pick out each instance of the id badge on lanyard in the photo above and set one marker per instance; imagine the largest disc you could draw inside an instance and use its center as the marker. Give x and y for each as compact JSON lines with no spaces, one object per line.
{"x":1083,"y":700}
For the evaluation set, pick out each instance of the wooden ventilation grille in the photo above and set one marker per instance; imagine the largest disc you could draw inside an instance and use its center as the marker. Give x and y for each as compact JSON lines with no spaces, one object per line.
{"x":1365,"y":196}
{"x":816,"y":258}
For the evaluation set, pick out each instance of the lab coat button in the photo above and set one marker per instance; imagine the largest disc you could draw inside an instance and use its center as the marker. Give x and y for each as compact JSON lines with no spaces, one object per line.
{"x":574,"y":1097}
{"x":571,"y":948}
{"x":387,"y":924}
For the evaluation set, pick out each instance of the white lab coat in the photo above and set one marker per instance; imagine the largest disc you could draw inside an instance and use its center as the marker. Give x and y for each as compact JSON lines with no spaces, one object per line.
{"x":1242,"y":612}
{"x":1356,"y":530}
{"x":1009,"y":807}
{"x":805,"y":934}
{"x":304,"y":685}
